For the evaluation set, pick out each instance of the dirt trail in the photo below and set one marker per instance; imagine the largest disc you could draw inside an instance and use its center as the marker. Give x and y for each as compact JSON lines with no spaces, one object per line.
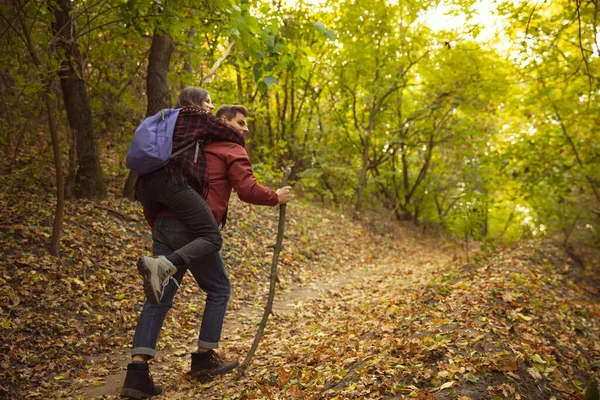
{"x":240,"y":324}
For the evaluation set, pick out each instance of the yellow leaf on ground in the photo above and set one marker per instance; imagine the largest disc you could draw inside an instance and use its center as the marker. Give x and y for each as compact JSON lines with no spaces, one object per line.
{"x":524,"y":317}
{"x":447,"y":385}
{"x":535,"y":373}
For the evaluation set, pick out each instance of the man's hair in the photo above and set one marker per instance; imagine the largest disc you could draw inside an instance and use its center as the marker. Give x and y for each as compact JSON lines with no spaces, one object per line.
{"x":229,"y":112}
{"x":191,"y":97}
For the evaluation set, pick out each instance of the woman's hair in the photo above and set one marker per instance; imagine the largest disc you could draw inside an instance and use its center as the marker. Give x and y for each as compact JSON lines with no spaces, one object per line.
{"x":191,"y":97}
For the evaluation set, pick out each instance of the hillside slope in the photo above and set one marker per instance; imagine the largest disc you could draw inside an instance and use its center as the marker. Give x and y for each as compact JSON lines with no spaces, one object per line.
{"x":364,"y":310}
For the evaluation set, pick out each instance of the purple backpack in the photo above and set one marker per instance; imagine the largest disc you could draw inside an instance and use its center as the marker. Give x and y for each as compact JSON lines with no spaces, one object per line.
{"x":152,"y":142}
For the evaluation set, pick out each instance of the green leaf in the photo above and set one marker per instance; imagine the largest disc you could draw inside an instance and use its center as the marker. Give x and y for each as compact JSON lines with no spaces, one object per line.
{"x":257,"y":70}
{"x":321,"y":28}
{"x":262,"y":86}
{"x":329,"y":34}
{"x":536,"y":358}
{"x":270,"y":80}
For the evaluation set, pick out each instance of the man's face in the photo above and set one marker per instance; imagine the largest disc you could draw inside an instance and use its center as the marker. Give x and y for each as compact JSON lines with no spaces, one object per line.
{"x":238,"y":122}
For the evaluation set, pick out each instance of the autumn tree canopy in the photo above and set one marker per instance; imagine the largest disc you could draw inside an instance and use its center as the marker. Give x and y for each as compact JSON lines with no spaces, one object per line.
{"x":479,"y":118}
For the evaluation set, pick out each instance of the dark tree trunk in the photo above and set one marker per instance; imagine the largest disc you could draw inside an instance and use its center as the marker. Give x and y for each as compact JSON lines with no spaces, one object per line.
{"x":250,"y":137}
{"x":187,"y":63}
{"x":89,"y":181}
{"x":362,"y":177}
{"x":129,"y":188}
{"x":157,"y":82}
{"x":240,"y":86}
{"x":157,"y":89}
{"x":51,"y":110}
{"x":72,"y":169}
{"x":269,"y":123}
{"x":60,"y":187}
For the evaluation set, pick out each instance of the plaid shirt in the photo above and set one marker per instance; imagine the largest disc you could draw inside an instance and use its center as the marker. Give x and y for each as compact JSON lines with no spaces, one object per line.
{"x":189,"y":167}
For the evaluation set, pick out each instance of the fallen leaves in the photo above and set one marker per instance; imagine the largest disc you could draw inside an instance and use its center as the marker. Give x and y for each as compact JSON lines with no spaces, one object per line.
{"x":534,"y":373}
{"x":392,"y":318}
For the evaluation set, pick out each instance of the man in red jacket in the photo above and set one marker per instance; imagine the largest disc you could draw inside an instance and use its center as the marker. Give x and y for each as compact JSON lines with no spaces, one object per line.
{"x":228,"y":169}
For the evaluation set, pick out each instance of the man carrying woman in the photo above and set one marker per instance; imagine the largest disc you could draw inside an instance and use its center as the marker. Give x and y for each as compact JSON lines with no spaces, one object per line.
{"x":228,"y":168}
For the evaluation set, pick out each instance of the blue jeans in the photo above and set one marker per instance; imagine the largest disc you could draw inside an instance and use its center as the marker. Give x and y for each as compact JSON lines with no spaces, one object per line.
{"x":210,"y":275}
{"x":155,"y":194}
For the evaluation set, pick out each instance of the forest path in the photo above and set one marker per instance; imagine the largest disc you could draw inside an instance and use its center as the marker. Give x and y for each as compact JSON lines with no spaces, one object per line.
{"x":365,"y":309}
{"x":412,"y":269}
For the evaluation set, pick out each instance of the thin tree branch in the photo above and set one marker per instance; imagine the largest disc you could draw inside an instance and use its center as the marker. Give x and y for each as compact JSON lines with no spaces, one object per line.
{"x":272,"y":282}
{"x":530,"y":18}
{"x":575,"y":151}
{"x":585,"y":60}
{"x":209,"y":76}
{"x":10,"y":23}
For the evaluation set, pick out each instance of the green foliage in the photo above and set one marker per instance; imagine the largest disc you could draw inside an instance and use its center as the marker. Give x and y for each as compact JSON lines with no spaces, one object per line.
{"x":492,"y":139}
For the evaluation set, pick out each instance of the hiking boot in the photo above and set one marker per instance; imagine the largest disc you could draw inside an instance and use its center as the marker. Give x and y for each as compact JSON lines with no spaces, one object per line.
{"x":157,"y":272}
{"x":138,"y":383}
{"x":208,"y":365}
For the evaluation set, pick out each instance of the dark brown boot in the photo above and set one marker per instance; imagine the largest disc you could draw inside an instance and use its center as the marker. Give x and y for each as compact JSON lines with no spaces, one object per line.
{"x":138,"y":383}
{"x":208,"y":365}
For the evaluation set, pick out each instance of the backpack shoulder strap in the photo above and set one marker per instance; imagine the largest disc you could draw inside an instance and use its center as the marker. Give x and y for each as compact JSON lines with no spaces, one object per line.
{"x":178,"y":152}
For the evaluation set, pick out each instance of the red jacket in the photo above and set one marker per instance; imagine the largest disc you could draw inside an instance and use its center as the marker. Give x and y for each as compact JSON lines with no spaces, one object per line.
{"x":229,"y":168}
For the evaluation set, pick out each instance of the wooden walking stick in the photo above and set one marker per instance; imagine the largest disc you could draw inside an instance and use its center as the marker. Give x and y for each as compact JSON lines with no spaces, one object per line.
{"x":273,"y":281}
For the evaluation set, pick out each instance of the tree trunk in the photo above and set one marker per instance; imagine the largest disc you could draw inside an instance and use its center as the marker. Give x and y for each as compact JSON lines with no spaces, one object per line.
{"x":157,"y":80}
{"x":240,"y":86}
{"x":157,"y":89}
{"x":72,"y":171}
{"x":485,"y":222}
{"x":405,"y":172}
{"x":47,"y":81}
{"x":187,"y":64}
{"x":60,"y":187}
{"x":89,"y":182}
{"x":250,"y":138}
{"x":269,"y":123}
{"x":362,"y":179}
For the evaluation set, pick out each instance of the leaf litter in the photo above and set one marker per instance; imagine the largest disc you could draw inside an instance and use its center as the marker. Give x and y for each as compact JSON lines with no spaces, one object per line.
{"x":367,"y":309}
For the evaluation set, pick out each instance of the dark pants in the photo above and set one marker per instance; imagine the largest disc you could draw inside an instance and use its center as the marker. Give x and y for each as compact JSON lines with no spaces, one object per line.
{"x":155,"y":194}
{"x":169,"y":234}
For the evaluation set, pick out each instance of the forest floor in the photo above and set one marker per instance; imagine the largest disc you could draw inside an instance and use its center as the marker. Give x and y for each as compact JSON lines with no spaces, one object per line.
{"x":364,"y":309}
